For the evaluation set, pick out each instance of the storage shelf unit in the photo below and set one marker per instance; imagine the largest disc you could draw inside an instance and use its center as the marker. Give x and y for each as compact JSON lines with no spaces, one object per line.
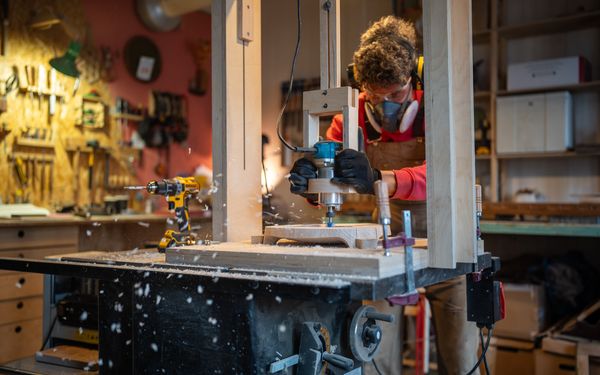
{"x":552,"y":25}
{"x":541,"y":155}
{"x":492,"y":41}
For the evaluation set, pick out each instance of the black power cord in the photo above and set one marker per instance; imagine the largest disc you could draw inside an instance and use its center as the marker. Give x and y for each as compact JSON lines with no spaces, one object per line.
{"x":291,"y":81}
{"x":482,"y":357}
{"x":47,"y":338}
{"x":376,"y":368}
{"x":483,"y":350}
{"x":485,"y":363}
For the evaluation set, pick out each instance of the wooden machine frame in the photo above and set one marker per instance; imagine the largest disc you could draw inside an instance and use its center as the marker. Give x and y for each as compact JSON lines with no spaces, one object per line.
{"x":237,"y":121}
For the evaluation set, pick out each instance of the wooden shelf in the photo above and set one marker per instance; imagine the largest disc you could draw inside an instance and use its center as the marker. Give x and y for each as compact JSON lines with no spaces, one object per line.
{"x":491,"y":210}
{"x":481,"y":36}
{"x":483,"y":157}
{"x":127,"y":116}
{"x":482,"y":94}
{"x":540,"y":229}
{"x":593,"y":85}
{"x":35,"y":143}
{"x":551,"y":25}
{"x":36,"y":91}
{"x":542,"y":155}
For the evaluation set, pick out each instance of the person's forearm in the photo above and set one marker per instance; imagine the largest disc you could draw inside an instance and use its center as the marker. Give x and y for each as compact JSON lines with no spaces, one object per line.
{"x":390,"y":180}
{"x":407,"y":183}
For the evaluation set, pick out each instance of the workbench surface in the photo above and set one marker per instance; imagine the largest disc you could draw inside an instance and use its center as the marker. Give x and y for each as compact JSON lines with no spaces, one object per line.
{"x":129,"y":264}
{"x":68,"y":219}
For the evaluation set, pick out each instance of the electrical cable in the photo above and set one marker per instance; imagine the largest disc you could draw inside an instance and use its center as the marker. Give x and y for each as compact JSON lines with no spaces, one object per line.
{"x":47,"y":338}
{"x":268,"y":195}
{"x":484,"y":351}
{"x":291,"y":81}
{"x":485,"y":363}
{"x":376,"y":368}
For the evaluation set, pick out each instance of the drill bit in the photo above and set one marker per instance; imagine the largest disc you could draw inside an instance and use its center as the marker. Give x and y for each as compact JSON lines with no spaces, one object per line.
{"x":330,"y":214}
{"x":135,"y":187}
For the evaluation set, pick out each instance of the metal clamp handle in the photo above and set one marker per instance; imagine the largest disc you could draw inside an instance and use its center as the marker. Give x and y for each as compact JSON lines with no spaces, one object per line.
{"x":380,"y":316}
{"x":338,"y":360}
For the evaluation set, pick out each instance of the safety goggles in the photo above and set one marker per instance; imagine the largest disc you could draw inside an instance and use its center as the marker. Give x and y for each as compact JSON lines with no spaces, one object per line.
{"x":397,"y":93}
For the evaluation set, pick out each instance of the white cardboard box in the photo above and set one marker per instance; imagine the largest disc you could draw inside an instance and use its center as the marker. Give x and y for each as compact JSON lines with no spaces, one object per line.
{"x":525,"y":312}
{"x":535,"y":123}
{"x":510,"y":357}
{"x":555,"y":357}
{"x":545,"y":73}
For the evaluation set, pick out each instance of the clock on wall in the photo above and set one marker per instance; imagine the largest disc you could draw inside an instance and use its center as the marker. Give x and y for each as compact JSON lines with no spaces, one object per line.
{"x":142,"y":59}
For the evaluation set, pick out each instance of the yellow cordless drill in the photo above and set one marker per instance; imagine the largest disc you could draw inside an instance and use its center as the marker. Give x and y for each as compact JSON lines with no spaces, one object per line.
{"x":178,"y":191}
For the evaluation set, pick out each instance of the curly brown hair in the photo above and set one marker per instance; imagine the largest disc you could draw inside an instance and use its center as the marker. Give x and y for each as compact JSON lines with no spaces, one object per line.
{"x":386,"y":52}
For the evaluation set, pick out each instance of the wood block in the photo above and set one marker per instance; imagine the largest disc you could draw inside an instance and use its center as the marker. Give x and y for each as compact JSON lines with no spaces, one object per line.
{"x":70,"y":356}
{"x":321,"y":234}
{"x":337,"y":261}
{"x":236,"y":124}
{"x":449,"y":132}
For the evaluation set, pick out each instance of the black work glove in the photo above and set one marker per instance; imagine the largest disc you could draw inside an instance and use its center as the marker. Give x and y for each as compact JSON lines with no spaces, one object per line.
{"x":301,"y":172}
{"x":353,"y":168}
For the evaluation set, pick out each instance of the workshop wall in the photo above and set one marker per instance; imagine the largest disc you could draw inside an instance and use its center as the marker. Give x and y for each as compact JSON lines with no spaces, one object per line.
{"x":45,"y":145}
{"x":36,"y":140}
{"x":112,"y":23}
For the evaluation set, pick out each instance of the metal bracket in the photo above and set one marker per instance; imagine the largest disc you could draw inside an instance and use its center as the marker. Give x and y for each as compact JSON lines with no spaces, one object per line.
{"x":408,"y":254}
{"x":329,"y":20}
{"x":318,"y":103}
{"x":246,"y":20}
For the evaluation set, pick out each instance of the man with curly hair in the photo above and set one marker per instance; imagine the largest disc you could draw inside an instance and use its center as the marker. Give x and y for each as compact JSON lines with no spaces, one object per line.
{"x":392,"y":123}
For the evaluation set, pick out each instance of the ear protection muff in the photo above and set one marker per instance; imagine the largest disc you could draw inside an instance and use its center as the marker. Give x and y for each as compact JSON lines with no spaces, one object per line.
{"x":418,"y":62}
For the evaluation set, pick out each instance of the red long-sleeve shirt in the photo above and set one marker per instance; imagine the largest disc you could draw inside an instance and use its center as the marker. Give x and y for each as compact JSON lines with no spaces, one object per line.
{"x":411,"y":182}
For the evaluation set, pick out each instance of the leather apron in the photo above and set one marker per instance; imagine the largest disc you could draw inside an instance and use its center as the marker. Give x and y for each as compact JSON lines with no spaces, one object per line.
{"x":397,"y":155}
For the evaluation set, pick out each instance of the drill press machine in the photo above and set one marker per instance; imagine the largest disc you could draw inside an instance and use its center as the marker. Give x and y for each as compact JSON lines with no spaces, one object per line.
{"x":326,"y":102}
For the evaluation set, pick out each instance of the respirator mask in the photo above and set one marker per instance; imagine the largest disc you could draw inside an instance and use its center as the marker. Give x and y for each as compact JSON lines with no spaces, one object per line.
{"x":392,"y":116}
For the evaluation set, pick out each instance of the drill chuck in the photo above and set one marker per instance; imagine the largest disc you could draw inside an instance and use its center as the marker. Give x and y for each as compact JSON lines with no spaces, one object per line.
{"x":164,"y":187}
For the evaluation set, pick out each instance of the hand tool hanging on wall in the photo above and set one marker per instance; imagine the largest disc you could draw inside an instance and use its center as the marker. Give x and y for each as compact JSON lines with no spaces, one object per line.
{"x":22,"y":177}
{"x":50,"y":178}
{"x":76,"y":176}
{"x":52,"y":97}
{"x":31,"y":178}
{"x":5,"y":23}
{"x":106,"y":170}
{"x":94,"y":145}
{"x":43,"y":180}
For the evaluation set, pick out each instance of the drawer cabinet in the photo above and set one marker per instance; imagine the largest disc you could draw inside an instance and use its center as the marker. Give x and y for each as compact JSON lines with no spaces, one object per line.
{"x":18,"y":285}
{"x":21,"y":301}
{"x":20,"y":339}
{"x":17,"y":238}
{"x":21,"y":309}
{"x":534,"y":123}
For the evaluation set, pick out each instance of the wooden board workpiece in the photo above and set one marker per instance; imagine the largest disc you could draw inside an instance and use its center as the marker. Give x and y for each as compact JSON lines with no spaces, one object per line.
{"x":347,"y":234}
{"x":306,"y":259}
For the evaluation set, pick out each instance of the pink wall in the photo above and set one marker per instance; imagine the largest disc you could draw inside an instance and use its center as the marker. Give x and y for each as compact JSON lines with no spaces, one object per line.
{"x":112,"y":23}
